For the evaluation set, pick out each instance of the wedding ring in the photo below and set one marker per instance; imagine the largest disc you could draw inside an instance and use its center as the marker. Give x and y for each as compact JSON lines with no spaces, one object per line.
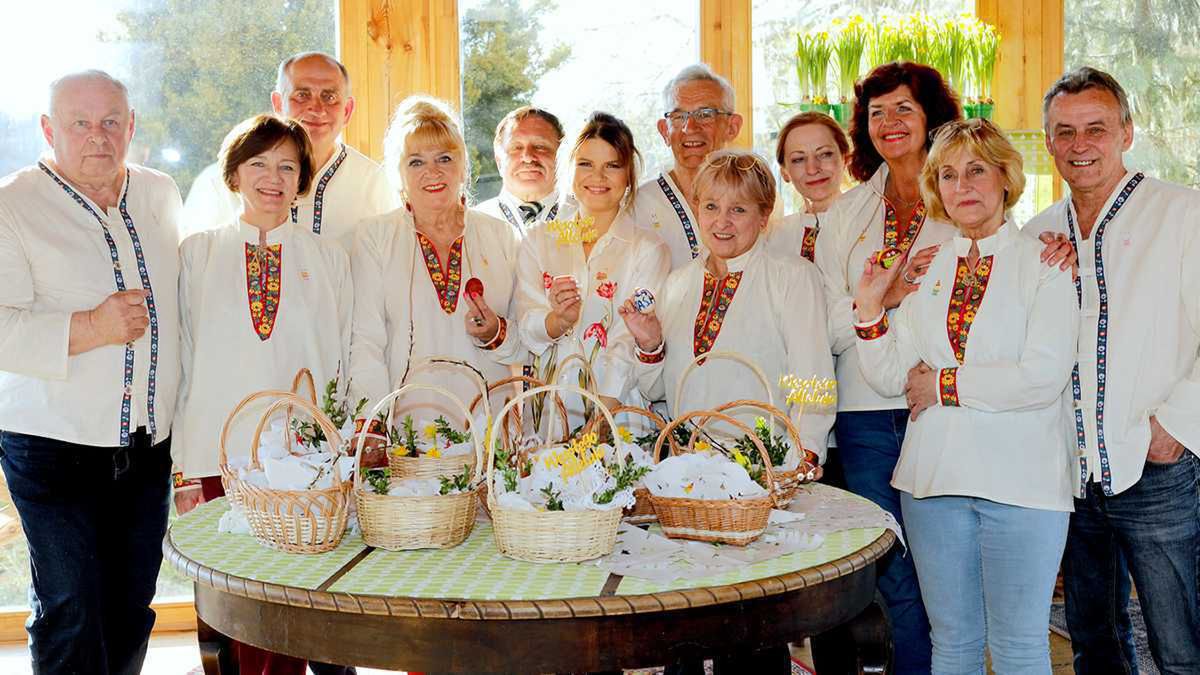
{"x":911,"y":281}
{"x":477,"y":321}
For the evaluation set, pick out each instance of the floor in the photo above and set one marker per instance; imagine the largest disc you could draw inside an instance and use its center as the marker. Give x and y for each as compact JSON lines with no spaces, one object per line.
{"x":176,"y":654}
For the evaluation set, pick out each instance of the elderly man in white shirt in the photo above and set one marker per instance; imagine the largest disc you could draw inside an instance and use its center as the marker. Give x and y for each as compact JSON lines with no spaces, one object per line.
{"x":1136,"y":417}
{"x":313,"y":89}
{"x":526,"y":144}
{"x":89,"y":366}
{"x":698,"y":119}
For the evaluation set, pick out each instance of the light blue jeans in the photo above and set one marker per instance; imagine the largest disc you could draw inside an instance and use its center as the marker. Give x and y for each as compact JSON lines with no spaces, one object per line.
{"x":987,"y":574}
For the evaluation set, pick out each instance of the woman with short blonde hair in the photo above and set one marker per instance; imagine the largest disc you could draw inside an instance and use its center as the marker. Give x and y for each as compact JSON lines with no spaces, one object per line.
{"x":983,"y":352}
{"x":411,"y":268}
{"x":740,"y":295}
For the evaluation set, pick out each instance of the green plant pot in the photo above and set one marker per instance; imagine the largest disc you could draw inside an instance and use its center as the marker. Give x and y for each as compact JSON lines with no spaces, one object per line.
{"x":842,"y":113}
{"x":985,"y":110}
{"x":969,"y":110}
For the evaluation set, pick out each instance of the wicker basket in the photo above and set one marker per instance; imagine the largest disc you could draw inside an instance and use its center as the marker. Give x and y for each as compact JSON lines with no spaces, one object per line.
{"x":550,"y":536}
{"x":294,"y":521}
{"x":642,"y":512}
{"x":725,"y":521}
{"x":434,"y":467}
{"x":228,"y":476}
{"x":400,"y":523}
{"x":786,"y":482}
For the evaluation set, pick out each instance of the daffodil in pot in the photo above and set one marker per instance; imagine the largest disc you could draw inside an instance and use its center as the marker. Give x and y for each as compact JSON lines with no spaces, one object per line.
{"x":985,"y":47}
{"x":814,"y":51}
{"x":849,"y":48}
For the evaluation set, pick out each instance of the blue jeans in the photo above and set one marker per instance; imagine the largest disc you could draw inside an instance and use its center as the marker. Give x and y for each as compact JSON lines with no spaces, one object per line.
{"x":95,"y":520}
{"x":1152,"y":531}
{"x":987,"y":575}
{"x":869,"y":444}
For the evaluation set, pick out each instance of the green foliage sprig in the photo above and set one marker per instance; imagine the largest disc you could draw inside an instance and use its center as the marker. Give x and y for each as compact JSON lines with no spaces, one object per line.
{"x":456,"y":483}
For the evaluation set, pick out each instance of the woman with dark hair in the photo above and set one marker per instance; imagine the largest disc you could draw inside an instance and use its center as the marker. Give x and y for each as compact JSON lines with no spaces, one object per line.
{"x":897,"y":106}
{"x":811,"y":151}
{"x":574,"y":272}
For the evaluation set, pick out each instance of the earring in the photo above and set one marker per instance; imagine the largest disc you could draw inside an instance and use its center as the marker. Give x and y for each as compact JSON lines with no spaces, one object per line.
{"x":462,"y":199}
{"x":408,"y":207}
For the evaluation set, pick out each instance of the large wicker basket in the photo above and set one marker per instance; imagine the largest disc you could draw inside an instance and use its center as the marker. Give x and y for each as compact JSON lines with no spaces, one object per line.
{"x":295,"y":521}
{"x":550,"y":536}
{"x":399,"y":523}
{"x":434,"y":467}
{"x":725,"y":521}
{"x":786,"y":482}
{"x":642,"y":511}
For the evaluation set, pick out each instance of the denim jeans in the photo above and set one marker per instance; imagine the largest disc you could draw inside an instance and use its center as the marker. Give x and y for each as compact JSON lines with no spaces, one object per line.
{"x":1152,"y":531}
{"x":95,"y":520}
{"x":987,"y":575}
{"x":869,"y":445}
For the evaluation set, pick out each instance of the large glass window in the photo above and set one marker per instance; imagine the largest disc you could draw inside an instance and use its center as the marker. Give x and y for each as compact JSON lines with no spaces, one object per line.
{"x":614,"y":57}
{"x":194,"y":69}
{"x":1153,"y":49}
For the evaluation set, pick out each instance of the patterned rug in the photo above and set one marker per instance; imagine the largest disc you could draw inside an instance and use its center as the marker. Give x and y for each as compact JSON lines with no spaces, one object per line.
{"x":1058,"y":624}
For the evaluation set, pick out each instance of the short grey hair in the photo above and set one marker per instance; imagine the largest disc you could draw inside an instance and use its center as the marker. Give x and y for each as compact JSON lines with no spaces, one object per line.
{"x":283,"y":78}
{"x":94,"y":75}
{"x":1082,"y":79}
{"x":697,"y":72}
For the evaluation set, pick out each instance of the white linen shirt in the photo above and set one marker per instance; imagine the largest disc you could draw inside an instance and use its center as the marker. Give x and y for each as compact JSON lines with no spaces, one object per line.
{"x":787,"y":235}
{"x":1007,"y":439}
{"x":624,"y":258}
{"x":224,"y":359}
{"x":776,"y":320}
{"x":357,"y":188}
{"x":663,"y":208}
{"x":853,"y":231}
{"x":55,"y":260}
{"x":1149,"y":269}
{"x":505,"y":206}
{"x":399,"y":320}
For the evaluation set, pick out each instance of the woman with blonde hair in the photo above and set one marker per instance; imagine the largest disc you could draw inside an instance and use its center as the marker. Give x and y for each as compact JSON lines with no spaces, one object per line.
{"x":411,"y":268}
{"x":983,"y":352}
{"x":576,"y":270}
{"x":739,"y":296}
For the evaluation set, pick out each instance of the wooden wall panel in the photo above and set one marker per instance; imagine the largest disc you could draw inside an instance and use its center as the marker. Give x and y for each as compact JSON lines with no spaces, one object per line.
{"x":1031,"y":56}
{"x":726,"y":45}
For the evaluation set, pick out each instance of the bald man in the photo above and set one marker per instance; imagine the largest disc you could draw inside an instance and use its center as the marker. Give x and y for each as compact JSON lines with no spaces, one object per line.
{"x":89,"y":366}
{"x":314,"y":89}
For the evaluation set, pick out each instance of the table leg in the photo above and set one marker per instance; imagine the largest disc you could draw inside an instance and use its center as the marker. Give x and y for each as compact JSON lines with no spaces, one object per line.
{"x":861,"y":645}
{"x":216,"y":650}
{"x":771,"y":660}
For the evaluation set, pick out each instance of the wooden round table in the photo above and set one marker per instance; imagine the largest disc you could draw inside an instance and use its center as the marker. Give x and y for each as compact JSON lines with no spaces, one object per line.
{"x":357,"y":605}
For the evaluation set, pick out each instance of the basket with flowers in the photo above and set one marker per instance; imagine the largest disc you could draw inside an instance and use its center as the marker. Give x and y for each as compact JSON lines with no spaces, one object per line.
{"x":402,"y":512}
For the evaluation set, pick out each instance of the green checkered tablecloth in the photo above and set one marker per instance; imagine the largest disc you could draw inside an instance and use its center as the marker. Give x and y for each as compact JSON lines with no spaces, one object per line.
{"x":195,"y":535}
{"x":836,"y":545}
{"x":474,"y":569}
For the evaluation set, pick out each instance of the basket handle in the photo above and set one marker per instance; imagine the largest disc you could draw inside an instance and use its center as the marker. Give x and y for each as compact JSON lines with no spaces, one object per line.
{"x":286,"y":401}
{"x":713,"y":414}
{"x":658,"y":422}
{"x":304,"y":376}
{"x":473,"y":373}
{"x":728,"y":355}
{"x":517,"y":400}
{"x":532,"y":382}
{"x":387,"y":401}
{"x":806,"y":455}
{"x":222,"y":455}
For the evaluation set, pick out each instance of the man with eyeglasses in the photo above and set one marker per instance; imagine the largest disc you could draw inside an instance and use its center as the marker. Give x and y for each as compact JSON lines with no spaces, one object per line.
{"x":313,"y":89}
{"x":526,"y":144}
{"x":699,"y":118}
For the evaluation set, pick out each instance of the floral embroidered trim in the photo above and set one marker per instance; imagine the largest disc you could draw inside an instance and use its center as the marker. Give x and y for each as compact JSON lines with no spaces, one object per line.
{"x":178,"y":481}
{"x":965,"y":299}
{"x":445,"y":282}
{"x":501,"y":333}
{"x":808,"y":246}
{"x":875,"y":330}
{"x":718,"y":295}
{"x":948,"y":386}
{"x":263,"y":283}
{"x":655,"y":356}
{"x":375,"y":428}
{"x":891,"y":227}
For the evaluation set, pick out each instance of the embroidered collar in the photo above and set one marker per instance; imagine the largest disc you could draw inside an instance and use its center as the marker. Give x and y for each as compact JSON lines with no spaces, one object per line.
{"x":989,"y":245}
{"x":1120,"y":192}
{"x":76,"y":195}
{"x":683,"y":212}
{"x":742,"y":261}
{"x":318,"y":189}
{"x":250,"y":234}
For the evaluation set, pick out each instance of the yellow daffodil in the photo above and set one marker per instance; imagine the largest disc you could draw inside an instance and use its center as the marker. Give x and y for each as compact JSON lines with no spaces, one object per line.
{"x":434,"y":452}
{"x":430,"y":431}
{"x":702,"y":446}
{"x":687,"y":489}
{"x":741,"y":459}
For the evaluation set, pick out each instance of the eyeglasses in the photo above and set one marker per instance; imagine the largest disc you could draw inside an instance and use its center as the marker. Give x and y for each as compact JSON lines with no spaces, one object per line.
{"x":702,"y":116}
{"x":741,"y":162}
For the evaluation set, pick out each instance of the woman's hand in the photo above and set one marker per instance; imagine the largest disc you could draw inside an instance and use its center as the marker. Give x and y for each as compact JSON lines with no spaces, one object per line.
{"x":1059,"y":251}
{"x":645,"y":328}
{"x":914,"y":268}
{"x":921,"y":390}
{"x":188,"y":497}
{"x":565,"y":305}
{"x":873,"y":288}
{"x":482,"y":323}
